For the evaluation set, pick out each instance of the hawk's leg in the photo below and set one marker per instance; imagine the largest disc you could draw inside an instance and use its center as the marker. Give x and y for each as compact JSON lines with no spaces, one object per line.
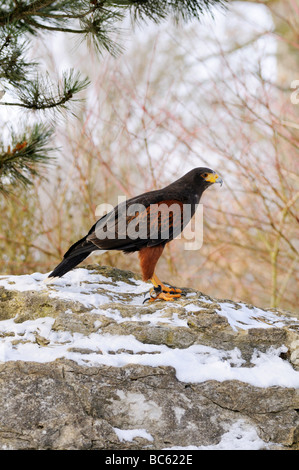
{"x":148,"y":257}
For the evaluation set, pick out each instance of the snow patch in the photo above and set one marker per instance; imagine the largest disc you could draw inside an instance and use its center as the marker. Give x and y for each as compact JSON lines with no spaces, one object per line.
{"x":241,"y":436}
{"x":130,"y":434}
{"x":245,"y":318}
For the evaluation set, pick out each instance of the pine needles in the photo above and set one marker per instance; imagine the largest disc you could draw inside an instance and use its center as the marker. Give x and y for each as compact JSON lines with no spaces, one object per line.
{"x":20,"y":161}
{"x":25,"y":87}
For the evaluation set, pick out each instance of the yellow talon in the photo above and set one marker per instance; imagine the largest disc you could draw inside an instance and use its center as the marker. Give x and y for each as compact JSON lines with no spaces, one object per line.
{"x":162,"y":292}
{"x":172,"y":290}
{"x":162,"y":296}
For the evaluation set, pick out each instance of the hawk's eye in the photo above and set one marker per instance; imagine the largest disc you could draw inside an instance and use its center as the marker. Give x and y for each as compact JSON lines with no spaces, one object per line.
{"x":205,"y":175}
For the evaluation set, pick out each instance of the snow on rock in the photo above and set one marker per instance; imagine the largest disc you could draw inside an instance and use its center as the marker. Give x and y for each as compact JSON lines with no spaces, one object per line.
{"x":240,"y":436}
{"x":95,"y":317}
{"x":130,"y":434}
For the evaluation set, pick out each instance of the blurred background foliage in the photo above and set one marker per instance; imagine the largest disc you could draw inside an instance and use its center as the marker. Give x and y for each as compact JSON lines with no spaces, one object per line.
{"x":217,"y":93}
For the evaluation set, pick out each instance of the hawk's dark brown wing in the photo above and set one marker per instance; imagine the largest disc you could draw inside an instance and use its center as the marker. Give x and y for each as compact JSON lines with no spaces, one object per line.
{"x":139,"y":226}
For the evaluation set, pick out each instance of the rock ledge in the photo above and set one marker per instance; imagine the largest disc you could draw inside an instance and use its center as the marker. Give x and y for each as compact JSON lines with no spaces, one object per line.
{"x":84,"y":364}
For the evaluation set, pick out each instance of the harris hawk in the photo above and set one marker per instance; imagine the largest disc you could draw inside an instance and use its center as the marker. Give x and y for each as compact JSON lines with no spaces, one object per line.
{"x":145,"y":224}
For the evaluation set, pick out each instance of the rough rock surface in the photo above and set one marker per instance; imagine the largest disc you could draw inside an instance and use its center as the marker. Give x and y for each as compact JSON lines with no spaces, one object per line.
{"x":84,"y":364}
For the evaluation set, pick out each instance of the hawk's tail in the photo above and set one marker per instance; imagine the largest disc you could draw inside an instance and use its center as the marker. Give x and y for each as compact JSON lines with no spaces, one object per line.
{"x":77,"y":253}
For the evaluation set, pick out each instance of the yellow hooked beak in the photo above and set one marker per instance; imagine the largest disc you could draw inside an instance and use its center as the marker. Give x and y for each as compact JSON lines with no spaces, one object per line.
{"x":213,"y":178}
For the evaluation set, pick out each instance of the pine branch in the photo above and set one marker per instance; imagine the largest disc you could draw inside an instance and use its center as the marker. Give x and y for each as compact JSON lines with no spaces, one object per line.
{"x":14,"y":69}
{"x":96,"y":18}
{"x":95,"y":21}
{"x":40,"y":94}
{"x":20,"y":161}
{"x":160,"y":10}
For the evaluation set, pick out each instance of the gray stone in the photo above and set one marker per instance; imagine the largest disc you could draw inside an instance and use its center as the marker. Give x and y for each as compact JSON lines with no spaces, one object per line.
{"x":72,"y":404}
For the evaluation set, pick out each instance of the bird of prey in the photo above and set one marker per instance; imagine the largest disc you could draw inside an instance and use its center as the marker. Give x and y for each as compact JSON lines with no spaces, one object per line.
{"x":145,"y":224}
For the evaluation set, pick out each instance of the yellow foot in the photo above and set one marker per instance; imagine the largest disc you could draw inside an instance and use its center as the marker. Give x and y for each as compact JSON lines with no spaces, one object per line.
{"x":170,"y":290}
{"x":157,"y":294}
